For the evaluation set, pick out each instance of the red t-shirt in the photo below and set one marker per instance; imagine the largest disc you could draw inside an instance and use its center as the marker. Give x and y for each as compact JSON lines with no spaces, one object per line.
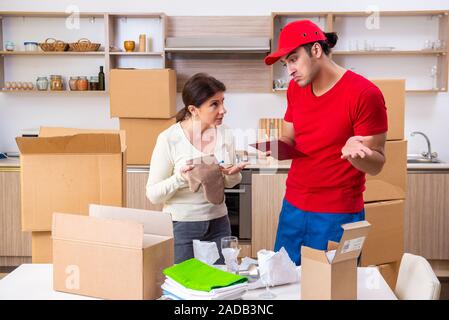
{"x":322,"y":181}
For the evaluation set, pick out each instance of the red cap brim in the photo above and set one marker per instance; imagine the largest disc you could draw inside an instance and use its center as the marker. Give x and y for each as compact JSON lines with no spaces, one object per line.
{"x":275,"y":56}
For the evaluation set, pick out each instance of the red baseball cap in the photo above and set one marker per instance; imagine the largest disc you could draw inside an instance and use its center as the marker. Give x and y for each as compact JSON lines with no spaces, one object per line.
{"x":292,"y":36}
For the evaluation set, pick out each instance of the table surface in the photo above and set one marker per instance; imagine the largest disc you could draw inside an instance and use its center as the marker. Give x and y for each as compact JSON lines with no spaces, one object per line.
{"x":35,"y":282}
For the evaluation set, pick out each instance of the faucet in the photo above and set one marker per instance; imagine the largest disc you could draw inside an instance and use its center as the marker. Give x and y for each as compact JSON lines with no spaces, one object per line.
{"x":429,"y":154}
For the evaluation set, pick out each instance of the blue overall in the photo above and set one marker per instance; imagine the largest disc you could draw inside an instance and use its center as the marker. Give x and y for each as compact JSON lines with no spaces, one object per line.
{"x":298,"y":228}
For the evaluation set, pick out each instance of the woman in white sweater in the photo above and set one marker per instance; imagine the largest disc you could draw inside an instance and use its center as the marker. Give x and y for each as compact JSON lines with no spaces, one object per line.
{"x":198,"y":132}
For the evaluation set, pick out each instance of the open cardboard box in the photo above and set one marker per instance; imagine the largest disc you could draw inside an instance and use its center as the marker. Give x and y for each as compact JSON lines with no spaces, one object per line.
{"x":114,"y":253}
{"x":322,"y":279}
{"x":64,"y":170}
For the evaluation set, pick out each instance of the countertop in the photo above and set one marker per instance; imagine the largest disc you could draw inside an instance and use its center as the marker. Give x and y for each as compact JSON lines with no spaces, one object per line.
{"x":269,"y":164}
{"x":12,"y":162}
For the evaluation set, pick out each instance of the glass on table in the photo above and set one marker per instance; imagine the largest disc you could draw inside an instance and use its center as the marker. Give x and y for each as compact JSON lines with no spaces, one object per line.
{"x":230,"y":251}
{"x":267,"y":280}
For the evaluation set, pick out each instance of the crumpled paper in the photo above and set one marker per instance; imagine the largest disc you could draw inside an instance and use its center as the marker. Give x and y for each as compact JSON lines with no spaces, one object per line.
{"x":246,"y":262}
{"x":330,"y":255}
{"x":205,"y":251}
{"x":230,"y":257}
{"x":275,"y":268}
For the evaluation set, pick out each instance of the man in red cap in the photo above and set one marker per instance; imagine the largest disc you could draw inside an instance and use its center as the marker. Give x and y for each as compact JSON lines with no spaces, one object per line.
{"x":338,"y":119}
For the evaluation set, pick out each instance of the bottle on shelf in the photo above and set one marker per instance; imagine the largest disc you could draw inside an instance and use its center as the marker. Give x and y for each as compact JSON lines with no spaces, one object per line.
{"x":101,"y":85}
{"x":142,"y":43}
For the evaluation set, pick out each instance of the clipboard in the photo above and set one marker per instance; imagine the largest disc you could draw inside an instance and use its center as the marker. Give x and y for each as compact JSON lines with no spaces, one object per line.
{"x":279,"y":149}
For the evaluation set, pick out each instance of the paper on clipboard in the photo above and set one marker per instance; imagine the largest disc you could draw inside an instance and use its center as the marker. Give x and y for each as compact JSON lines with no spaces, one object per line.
{"x":279,"y":149}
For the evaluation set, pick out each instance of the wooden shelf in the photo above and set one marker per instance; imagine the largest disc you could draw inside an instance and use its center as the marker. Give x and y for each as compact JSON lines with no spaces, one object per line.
{"x":110,"y":22}
{"x":137,"y":15}
{"x":37,"y":14}
{"x":282,"y":90}
{"x":338,"y":21}
{"x":122,"y":53}
{"x":390,"y":13}
{"x":391,"y":52}
{"x":424,"y":90}
{"x":52,"y":53}
{"x":87,"y":92}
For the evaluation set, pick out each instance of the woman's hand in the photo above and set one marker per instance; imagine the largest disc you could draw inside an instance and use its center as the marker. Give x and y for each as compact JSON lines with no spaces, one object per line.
{"x":185,"y":170}
{"x":234,"y":169}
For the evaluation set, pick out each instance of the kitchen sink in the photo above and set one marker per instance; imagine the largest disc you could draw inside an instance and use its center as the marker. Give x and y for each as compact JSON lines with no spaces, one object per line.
{"x":423,"y":160}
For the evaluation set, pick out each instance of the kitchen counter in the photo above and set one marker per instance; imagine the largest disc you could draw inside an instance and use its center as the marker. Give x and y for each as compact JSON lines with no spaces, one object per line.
{"x":9,"y":163}
{"x":428,"y":166}
{"x":268,"y":163}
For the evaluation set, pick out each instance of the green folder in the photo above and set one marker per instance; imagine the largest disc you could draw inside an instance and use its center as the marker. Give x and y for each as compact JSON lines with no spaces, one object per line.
{"x":196,"y":275}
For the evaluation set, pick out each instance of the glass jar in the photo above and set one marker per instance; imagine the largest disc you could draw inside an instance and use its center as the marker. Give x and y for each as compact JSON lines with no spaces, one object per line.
{"x":72,"y":83}
{"x":56,"y":83}
{"x":9,"y":46}
{"x":42,"y":83}
{"x":93,"y":83}
{"x":82,"y":84}
{"x":31,"y":46}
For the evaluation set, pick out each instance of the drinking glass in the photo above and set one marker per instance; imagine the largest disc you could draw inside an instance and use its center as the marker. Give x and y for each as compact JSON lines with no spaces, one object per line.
{"x":267,"y":281}
{"x":230,"y":251}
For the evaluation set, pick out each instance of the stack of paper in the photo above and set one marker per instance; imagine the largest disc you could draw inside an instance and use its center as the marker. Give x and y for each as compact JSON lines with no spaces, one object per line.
{"x":195,"y":280}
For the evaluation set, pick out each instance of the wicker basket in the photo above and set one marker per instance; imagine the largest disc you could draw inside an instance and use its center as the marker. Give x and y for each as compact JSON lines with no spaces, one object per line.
{"x":84,"y":45}
{"x":61,"y":45}
{"x":48,"y":45}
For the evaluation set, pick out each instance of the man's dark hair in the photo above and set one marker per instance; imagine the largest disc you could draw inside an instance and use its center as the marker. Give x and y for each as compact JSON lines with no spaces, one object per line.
{"x":326,"y":45}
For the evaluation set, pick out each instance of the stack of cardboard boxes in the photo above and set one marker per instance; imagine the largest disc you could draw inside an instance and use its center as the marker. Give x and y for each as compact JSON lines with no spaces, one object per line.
{"x":385,"y":193}
{"x":65,"y":170}
{"x":145,"y":103}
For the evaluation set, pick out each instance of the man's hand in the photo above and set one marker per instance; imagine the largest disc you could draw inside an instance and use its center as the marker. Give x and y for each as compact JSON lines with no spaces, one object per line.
{"x":354,"y":148}
{"x":366,"y":153}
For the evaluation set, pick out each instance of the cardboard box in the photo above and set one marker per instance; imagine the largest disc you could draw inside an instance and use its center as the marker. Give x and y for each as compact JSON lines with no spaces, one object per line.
{"x":386,"y":239}
{"x":391,"y":182}
{"x":390,"y":273}
{"x":335,"y":280}
{"x":393,"y":91}
{"x":67,"y":173}
{"x":141,"y":136}
{"x":143,"y":93}
{"x":41,"y":247}
{"x":114,"y":253}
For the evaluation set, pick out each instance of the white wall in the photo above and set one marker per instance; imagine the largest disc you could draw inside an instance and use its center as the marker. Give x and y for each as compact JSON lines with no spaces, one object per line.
{"x":424,"y":112}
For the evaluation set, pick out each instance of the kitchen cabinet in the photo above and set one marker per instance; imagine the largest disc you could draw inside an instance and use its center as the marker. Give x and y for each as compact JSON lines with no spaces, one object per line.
{"x":108,"y":29}
{"x":240,"y":67}
{"x":136,"y":189}
{"x":409,"y":44}
{"x":15,"y":245}
{"x":426,"y":222}
{"x":267,"y":193}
